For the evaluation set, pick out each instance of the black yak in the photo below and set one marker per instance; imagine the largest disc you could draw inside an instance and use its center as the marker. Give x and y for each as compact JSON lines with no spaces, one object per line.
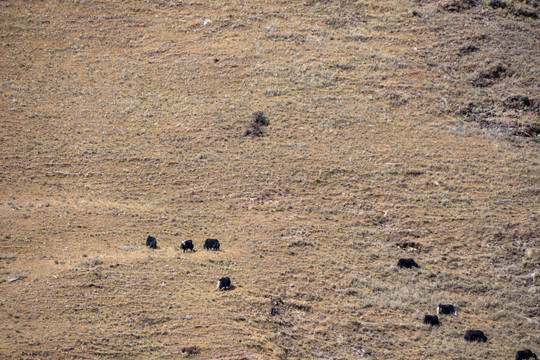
{"x":446,"y":309}
{"x":151,"y":242}
{"x":407,"y":263}
{"x":475,"y":335}
{"x":224,"y":283}
{"x":525,"y":354}
{"x":211,"y":244}
{"x":186,"y":245}
{"x":432,"y":320}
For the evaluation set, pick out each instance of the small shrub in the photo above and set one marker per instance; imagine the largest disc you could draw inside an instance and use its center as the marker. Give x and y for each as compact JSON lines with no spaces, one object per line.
{"x":459,"y":5}
{"x":520,"y":102}
{"x":498,"y":4}
{"x":526,"y":13}
{"x":409,"y":245}
{"x":528,"y":131}
{"x":256,"y":127}
{"x":259,"y":118}
{"x":520,"y":11}
{"x":91,"y":262}
{"x":488,"y":77}
{"x":468,"y":49}
{"x":514,"y":128}
{"x":255,"y":130}
{"x":300,"y":243}
{"x":379,"y":220}
{"x":414,"y":172}
{"x":96,"y":261}
{"x":83,"y":263}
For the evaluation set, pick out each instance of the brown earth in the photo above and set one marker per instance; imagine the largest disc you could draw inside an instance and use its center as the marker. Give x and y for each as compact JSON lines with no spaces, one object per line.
{"x":397,"y":129}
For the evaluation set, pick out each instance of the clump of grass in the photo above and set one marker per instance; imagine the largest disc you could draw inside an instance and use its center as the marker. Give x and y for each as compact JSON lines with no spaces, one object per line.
{"x":468,"y":49}
{"x":300,"y":243}
{"x":520,"y":102}
{"x":413,"y":172}
{"x":458,"y":5}
{"x":129,"y":247}
{"x":259,"y":118}
{"x":489,"y":76}
{"x":96,"y":261}
{"x":256,"y":127}
{"x":255,"y":130}
{"x":518,"y":11}
{"x":90,"y":262}
{"x":4,"y":256}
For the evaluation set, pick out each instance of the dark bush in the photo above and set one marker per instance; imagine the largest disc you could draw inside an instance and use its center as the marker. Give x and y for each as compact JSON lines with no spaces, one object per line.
{"x":520,"y":102}
{"x":498,"y":4}
{"x":526,"y":13}
{"x":409,"y":245}
{"x":259,"y":118}
{"x":519,"y":11}
{"x":528,"y":131}
{"x":459,"y":5}
{"x":489,"y":76}
{"x":256,"y":126}
{"x":468,"y":49}
{"x":255,"y":130}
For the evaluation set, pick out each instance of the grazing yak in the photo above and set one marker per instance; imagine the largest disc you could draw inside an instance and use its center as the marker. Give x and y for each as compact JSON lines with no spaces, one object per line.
{"x":475,"y":335}
{"x":525,"y":354}
{"x":211,"y":244}
{"x":224,"y":283}
{"x":190,"y":350}
{"x":432,"y":320}
{"x":151,"y":242}
{"x":446,"y":309}
{"x":186,"y":245}
{"x":407,"y":263}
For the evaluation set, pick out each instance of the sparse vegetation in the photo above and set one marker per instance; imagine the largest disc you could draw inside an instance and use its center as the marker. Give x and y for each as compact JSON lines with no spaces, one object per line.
{"x":255,"y":130}
{"x":259,"y":118}
{"x":518,"y":11}
{"x":90,"y":262}
{"x":489,"y":76}
{"x":459,"y":5}
{"x":257,"y":125}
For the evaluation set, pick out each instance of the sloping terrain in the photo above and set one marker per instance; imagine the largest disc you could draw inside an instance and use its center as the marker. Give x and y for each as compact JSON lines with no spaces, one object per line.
{"x":397,"y":129}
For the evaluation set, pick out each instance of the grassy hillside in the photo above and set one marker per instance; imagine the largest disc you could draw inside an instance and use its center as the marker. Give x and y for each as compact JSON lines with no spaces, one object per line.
{"x":396,"y":129}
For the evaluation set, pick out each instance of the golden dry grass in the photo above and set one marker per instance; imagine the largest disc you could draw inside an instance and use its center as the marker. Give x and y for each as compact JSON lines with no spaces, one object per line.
{"x":388,"y":124}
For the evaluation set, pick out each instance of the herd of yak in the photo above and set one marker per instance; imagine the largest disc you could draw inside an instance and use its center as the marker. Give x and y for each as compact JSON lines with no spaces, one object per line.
{"x":433,"y":320}
{"x":210,"y":244}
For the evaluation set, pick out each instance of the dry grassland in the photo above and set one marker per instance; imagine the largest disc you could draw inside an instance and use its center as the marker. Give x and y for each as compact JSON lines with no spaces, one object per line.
{"x":391,"y":123}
